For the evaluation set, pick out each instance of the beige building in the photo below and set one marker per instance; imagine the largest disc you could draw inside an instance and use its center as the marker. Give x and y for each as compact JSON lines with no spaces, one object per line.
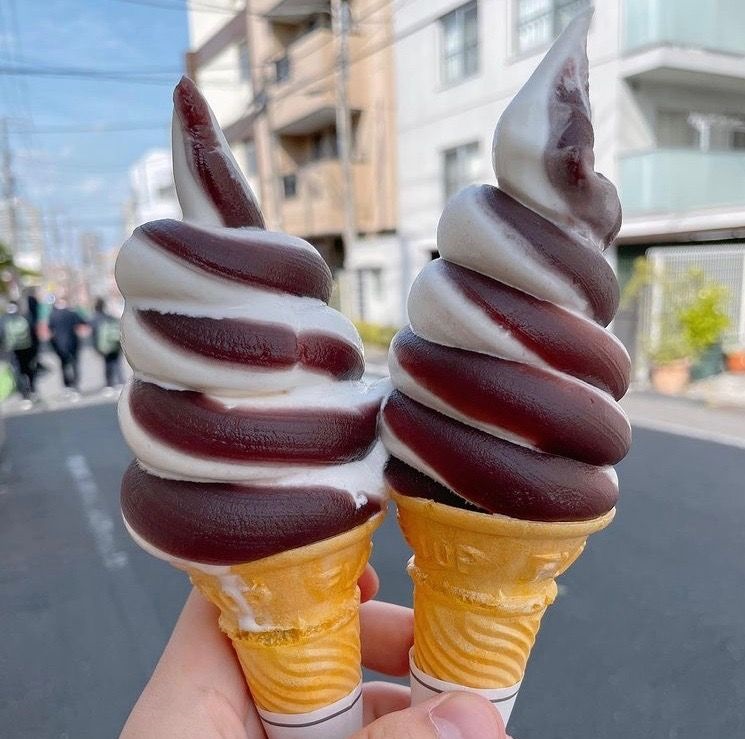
{"x":269,"y":69}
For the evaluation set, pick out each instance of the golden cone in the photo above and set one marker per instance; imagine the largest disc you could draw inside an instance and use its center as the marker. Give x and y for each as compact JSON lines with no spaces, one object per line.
{"x":481,"y":586}
{"x":293,"y":619}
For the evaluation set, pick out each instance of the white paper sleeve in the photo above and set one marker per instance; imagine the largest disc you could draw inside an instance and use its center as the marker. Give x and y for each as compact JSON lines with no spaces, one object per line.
{"x":423,"y":687}
{"x":337,"y":721}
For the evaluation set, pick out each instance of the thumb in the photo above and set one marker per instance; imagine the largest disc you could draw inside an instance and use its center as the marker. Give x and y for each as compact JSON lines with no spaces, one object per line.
{"x":448,"y":716}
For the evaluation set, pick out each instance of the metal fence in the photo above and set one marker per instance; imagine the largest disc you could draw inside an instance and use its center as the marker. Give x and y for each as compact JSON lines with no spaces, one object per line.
{"x":723,"y":264}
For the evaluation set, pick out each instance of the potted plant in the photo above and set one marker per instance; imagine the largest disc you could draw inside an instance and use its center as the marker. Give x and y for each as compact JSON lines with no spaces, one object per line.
{"x":735,"y":358}
{"x":703,"y":321}
{"x":671,"y":365}
{"x":689,"y":329}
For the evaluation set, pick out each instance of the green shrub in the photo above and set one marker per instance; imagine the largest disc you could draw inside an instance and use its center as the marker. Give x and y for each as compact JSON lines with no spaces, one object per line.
{"x":375,"y":334}
{"x":694,"y":318}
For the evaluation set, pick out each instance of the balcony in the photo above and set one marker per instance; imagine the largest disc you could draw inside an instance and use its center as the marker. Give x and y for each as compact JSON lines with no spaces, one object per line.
{"x":667,"y":181}
{"x":289,"y":11}
{"x":316,"y":209}
{"x":300,"y":108}
{"x":686,"y":42}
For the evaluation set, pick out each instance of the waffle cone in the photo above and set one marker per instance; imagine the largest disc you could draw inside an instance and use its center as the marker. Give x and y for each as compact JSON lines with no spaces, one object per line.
{"x":293,"y":619}
{"x":482,"y":583}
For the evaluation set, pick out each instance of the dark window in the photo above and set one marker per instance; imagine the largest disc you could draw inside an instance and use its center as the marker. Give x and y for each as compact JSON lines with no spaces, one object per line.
{"x":282,"y":69}
{"x":323,"y":145}
{"x":289,"y":186}
{"x":250,"y":157}
{"x":244,"y":62}
{"x":674,"y":130}
{"x":460,"y":43}
{"x":460,"y":167}
{"x":369,"y":284}
{"x":539,"y":22}
{"x":167,"y":192}
{"x":738,"y":139}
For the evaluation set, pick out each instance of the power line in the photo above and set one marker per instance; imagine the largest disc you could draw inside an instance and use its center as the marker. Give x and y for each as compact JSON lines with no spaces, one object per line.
{"x":198,"y":6}
{"x":95,"y":128}
{"x":82,"y":73}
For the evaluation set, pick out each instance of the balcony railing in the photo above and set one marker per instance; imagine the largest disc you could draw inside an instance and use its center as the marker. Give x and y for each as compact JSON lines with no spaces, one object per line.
{"x":305,"y":97}
{"x":681,"y":180}
{"x":716,"y":26}
{"x":316,"y":208}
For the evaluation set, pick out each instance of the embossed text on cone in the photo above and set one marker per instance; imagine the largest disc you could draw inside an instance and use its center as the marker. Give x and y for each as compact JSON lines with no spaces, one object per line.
{"x":308,"y":597}
{"x":481,"y":586}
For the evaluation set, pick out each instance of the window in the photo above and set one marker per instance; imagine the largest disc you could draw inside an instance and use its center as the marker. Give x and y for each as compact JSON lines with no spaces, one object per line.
{"x":674,"y":130}
{"x":539,"y":22}
{"x":460,"y":43}
{"x":249,"y":157}
{"x":460,"y":167}
{"x":738,"y":139}
{"x":323,"y":145}
{"x":681,"y":129}
{"x":167,"y":192}
{"x":289,"y":186}
{"x":369,"y":289}
{"x":244,"y":62}
{"x":282,"y":69}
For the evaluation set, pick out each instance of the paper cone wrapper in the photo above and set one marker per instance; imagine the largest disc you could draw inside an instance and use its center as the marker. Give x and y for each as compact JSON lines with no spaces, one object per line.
{"x":482,"y":583}
{"x":293,"y":619}
{"x":424,"y":687}
{"x":339,"y":720}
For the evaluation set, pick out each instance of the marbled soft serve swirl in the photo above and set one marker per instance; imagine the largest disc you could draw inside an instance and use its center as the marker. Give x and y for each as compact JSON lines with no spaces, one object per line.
{"x":507,"y":380}
{"x":252,"y":429}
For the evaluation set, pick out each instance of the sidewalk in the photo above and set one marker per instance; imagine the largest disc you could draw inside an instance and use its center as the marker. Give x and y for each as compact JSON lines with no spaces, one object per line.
{"x":726,"y":390}
{"x":685,"y":417}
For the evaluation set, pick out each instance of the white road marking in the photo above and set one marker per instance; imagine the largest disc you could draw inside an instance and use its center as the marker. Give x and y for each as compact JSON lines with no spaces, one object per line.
{"x":99,"y":522}
{"x":667,"y":427}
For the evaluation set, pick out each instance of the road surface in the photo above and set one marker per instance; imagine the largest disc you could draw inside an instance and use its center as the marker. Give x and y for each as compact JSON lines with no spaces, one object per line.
{"x":646,"y":639}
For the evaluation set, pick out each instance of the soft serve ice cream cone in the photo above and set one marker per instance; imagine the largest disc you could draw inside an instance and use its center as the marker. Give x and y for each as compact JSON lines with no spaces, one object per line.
{"x":258,"y":470}
{"x":504,"y":421}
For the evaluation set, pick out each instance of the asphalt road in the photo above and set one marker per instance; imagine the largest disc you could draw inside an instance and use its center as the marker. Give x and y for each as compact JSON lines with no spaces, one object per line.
{"x":647,"y":638}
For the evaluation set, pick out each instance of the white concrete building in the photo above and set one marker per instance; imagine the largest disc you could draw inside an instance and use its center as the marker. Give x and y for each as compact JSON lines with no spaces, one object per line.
{"x":667,"y":86}
{"x":153,"y":194}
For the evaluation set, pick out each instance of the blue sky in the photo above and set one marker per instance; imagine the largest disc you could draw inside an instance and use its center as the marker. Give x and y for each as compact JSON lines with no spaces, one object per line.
{"x":83,"y":176}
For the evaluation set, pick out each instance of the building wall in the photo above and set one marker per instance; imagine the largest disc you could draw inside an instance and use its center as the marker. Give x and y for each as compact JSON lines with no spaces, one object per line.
{"x":433,"y":117}
{"x":153,"y":194}
{"x":283,"y":117}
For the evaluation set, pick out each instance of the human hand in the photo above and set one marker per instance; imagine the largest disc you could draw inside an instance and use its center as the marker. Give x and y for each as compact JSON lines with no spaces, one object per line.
{"x":198,"y":689}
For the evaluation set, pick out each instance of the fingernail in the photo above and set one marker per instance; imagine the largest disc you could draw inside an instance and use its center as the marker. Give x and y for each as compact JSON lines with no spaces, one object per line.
{"x":464,"y":716}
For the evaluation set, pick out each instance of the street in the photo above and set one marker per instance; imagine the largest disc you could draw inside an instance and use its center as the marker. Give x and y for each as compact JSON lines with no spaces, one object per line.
{"x":646,"y":639}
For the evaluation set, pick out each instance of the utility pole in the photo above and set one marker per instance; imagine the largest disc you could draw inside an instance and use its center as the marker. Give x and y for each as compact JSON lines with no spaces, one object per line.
{"x":260,"y":82}
{"x":340,"y":21}
{"x":9,"y":188}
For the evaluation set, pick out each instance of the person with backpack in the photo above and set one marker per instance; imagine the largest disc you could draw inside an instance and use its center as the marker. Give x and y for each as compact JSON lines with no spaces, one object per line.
{"x":63,"y":326}
{"x":107,"y":342}
{"x":18,"y":342}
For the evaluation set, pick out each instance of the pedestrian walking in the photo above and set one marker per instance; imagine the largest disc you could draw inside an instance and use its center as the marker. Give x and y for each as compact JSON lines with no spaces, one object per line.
{"x":33,"y":316}
{"x":18,"y":342}
{"x":63,"y":325}
{"x":107,"y":342}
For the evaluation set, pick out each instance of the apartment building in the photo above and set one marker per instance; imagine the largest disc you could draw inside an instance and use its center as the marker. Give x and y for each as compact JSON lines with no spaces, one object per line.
{"x":667,"y":82}
{"x":269,"y":69}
